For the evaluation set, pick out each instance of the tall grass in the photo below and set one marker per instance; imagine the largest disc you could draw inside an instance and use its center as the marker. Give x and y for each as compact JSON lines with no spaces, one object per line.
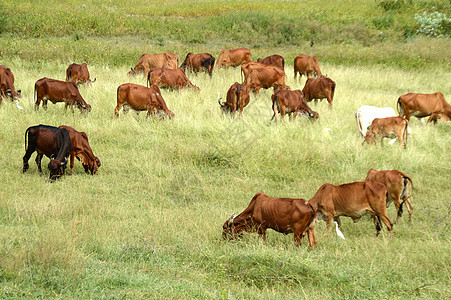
{"x":149,"y":224}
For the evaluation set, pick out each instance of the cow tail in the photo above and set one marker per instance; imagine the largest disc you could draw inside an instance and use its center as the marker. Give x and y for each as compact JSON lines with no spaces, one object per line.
{"x":237,"y":93}
{"x":359,"y":126}
{"x":26,"y":135}
{"x":399,"y":107}
{"x":312,"y":218}
{"x":148,"y":79}
{"x":332,"y":90}
{"x":404,"y":134}
{"x":274,"y":103}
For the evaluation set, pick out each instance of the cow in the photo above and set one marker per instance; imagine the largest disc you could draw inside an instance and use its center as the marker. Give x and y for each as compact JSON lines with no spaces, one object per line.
{"x":352,"y":200}
{"x":284,"y":215}
{"x":250,"y":65}
{"x":46,"y":89}
{"x":51,"y":141}
{"x":237,"y":98}
{"x":273,"y":60}
{"x":7,"y":89}
{"x":199,"y":62}
{"x":148,"y":61}
{"x":390,"y":127}
{"x":79,"y":74}
{"x":82,"y":150}
{"x":306,"y":65}
{"x":141,"y":98}
{"x":169,"y":78}
{"x":233,"y":57}
{"x":319,"y":88}
{"x":423,"y":105}
{"x":266,"y":78}
{"x":398,"y":184}
{"x":287,"y":101}
{"x":366,"y":114}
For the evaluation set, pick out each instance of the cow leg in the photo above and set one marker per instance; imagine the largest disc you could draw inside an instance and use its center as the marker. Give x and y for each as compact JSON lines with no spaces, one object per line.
{"x":387,"y":223}
{"x":38,"y":161}
{"x":117,"y":109}
{"x":262,"y":232}
{"x":26,"y":158}
{"x":311,"y":237}
{"x":330,"y":102}
{"x":329,"y":221}
{"x":409,"y":208}
{"x":44,"y":104}
{"x":72,"y":159}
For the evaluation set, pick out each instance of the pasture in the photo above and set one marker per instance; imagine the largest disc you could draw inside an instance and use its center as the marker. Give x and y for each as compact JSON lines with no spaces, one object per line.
{"x":149,"y":224}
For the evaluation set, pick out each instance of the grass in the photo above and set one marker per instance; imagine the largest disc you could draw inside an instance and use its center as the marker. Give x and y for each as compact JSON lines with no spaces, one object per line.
{"x":149,"y":224}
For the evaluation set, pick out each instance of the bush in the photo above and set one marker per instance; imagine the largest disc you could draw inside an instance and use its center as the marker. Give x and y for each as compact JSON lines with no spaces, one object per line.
{"x":434,"y":24}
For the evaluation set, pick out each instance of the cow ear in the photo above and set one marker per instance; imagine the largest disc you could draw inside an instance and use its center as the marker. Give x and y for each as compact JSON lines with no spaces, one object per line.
{"x":19,"y":91}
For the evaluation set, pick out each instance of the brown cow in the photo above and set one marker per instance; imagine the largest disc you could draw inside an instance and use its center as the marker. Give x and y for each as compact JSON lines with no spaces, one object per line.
{"x":273,"y":60}
{"x":78,"y":73}
{"x":319,"y":88}
{"x":149,"y":61}
{"x":233,"y":57}
{"x":169,"y":78}
{"x":287,"y":101}
{"x":199,"y":62}
{"x":306,"y":65}
{"x":250,"y":65}
{"x":284,"y":215}
{"x":82,"y":150}
{"x":423,"y":105}
{"x":141,"y":98}
{"x":266,"y":78}
{"x":51,"y":141}
{"x":397,"y":183}
{"x":351,"y":200}
{"x":390,"y":127}
{"x":46,"y":89}
{"x":237,"y":98}
{"x":7,"y":85}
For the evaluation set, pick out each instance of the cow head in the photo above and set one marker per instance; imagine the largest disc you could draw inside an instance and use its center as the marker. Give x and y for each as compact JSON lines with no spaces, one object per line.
{"x":312,"y":115}
{"x":13,"y":95}
{"x":56,"y":168}
{"x":92,"y":166}
{"x":83,"y":106}
{"x":369,"y":138}
{"x":228,"y":228}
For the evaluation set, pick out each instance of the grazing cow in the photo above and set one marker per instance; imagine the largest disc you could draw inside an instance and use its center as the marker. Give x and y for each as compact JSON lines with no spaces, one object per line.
{"x":46,"y":89}
{"x":250,"y":65}
{"x":390,"y":127}
{"x":237,"y":98}
{"x":234,"y":57}
{"x":423,"y":105}
{"x":7,"y":85}
{"x":319,"y":88}
{"x":266,"y":78}
{"x":149,"y":61}
{"x":199,"y":62}
{"x":273,"y":60}
{"x":287,"y":101}
{"x":284,"y":215}
{"x":78,"y":73}
{"x":351,"y":200}
{"x":366,"y":114}
{"x":306,"y":65}
{"x":169,"y":78}
{"x":82,"y":150}
{"x":397,"y":183}
{"x":141,"y":98}
{"x":51,"y":141}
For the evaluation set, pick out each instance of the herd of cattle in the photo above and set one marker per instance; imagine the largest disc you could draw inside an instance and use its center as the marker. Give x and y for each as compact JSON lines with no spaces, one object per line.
{"x":284,"y":215}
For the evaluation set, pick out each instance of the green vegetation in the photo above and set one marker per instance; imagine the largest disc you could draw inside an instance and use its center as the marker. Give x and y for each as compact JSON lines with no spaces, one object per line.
{"x":149,"y":224}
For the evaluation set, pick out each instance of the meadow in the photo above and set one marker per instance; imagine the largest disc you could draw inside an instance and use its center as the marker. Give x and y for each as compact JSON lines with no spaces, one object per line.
{"x":149,"y":224}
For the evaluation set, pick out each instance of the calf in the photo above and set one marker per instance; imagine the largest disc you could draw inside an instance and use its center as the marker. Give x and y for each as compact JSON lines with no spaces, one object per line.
{"x":390,"y":127}
{"x":287,"y":101}
{"x":366,"y":114}
{"x":169,"y":78}
{"x":306,"y":65}
{"x":141,"y":98}
{"x":398,"y":184}
{"x":284,"y":215}
{"x":82,"y":150}
{"x":351,"y":200}
{"x":319,"y":88}
{"x":78,"y":73}
{"x":237,"y":98}
{"x":423,"y":105}
{"x":51,"y":141}
{"x":46,"y":89}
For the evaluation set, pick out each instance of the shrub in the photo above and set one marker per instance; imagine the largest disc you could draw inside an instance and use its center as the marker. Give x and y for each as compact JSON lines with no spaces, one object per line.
{"x":434,"y":24}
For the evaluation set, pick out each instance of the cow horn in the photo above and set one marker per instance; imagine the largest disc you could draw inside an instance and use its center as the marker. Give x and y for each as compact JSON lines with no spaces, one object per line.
{"x":219,"y":99}
{"x":133,"y":70}
{"x":229,"y":224}
{"x":8,"y":91}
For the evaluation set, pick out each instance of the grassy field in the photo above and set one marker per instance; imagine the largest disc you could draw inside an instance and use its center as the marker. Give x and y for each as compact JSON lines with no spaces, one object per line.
{"x":149,"y":224}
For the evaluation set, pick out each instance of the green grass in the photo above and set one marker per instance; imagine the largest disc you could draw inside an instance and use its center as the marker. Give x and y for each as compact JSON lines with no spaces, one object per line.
{"x":149,"y":224}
